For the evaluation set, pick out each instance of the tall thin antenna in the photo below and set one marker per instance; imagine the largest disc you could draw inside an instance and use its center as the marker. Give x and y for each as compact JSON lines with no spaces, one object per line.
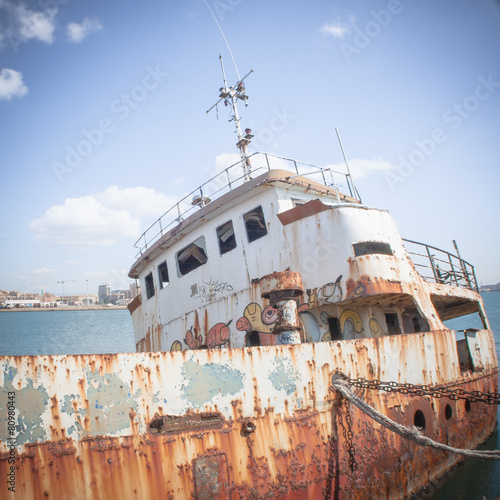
{"x":350,"y":183}
{"x":225,"y":40}
{"x":230,"y":96}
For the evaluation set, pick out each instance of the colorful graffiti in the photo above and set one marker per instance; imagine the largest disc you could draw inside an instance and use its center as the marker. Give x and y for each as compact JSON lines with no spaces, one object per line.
{"x":192,"y":339}
{"x":330,"y":293}
{"x":356,"y":292}
{"x":350,"y":324}
{"x":176,"y":346}
{"x":255,"y":319}
{"x":375,"y":328}
{"x":218,"y":335}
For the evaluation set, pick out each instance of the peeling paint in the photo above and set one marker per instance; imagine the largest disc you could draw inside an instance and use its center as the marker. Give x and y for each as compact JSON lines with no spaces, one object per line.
{"x":283,"y":377}
{"x":206,"y":382}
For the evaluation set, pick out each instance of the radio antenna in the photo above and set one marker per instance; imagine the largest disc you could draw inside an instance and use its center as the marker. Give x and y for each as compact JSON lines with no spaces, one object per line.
{"x":225,"y":40}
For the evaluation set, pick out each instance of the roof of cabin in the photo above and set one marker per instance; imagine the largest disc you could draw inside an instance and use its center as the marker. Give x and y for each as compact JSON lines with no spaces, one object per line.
{"x":230,"y":199}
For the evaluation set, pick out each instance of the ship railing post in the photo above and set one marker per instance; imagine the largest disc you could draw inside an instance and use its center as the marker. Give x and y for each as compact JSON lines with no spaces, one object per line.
{"x":161,"y":228}
{"x":323,"y":175}
{"x":453,"y":270}
{"x":296,"y":168}
{"x":474,"y":276}
{"x":228,"y":178}
{"x":145,"y":242}
{"x":267,"y":161}
{"x":433,"y":267}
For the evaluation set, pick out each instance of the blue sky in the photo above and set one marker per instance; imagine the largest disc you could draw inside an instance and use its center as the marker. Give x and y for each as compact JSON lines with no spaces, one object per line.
{"x":413,"y":87}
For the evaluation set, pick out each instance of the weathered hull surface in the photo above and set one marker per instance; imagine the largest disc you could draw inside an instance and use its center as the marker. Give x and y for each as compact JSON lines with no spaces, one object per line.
{"x":236,"y":423}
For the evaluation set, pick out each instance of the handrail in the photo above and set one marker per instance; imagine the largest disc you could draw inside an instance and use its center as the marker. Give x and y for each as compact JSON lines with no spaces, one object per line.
{"x":223,"y":182}
{"x":442,"y":267}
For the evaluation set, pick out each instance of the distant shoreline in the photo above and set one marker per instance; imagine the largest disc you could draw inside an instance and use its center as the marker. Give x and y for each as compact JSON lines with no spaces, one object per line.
{"x":68,"y":308}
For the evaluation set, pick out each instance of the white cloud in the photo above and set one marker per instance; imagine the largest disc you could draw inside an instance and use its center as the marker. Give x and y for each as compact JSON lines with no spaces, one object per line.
{"x":78,"y":31}
{"x":84,"y":221}
{"x":20,"y":24}
{"x":37,"y":25}
{"x":337,"y":29}
{"x":11,"y":84}
{"x":225,"y":160}
{"x":139,"y":201}
{"x":100,"y":219}
{"x":360,"y":168}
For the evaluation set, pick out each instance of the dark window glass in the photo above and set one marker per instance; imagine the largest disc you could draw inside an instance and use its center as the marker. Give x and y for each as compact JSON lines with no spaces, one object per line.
{"x":150,"y":286}
{"x":163,"y":275}
{"x":255,"y":224}
{"x":371,"y":247}
{"x":226,"y":238}
{"x":192,"y":256}
{"x":392,"y":321}
{"x":334,"y":325}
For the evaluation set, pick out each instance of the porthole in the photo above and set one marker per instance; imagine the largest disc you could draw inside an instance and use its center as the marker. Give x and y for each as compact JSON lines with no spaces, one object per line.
{"x":419,"y":420}
{"x":448,"y":412}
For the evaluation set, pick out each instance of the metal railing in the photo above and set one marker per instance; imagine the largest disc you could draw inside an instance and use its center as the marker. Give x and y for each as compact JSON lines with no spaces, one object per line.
{"x":442,"y":267}
{"x":228,"y":179}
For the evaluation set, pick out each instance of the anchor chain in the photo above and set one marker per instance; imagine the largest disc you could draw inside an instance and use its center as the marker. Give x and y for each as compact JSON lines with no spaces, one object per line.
{"x":348,"y":434}
{"x":490,"y":398}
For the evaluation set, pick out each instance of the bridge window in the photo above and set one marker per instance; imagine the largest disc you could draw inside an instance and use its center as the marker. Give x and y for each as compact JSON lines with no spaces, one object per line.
{"x":150,"y":286}
{"x":163,"y":275}
{"x":226,"y":237}
{"x":192,"y":256}
{"x":255,"y":224}
{"x":392,"y":321}
{"x":372,"y":247}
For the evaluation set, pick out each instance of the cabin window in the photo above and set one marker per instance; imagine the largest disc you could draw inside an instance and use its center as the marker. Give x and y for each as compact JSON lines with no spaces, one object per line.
{"x":392,"y":321}
{"x":163,"y":275}
{"x":150,"y":286}
{"x":372,"y":247}
{"x":255,"y":224}
{"x":226,"y":237}
{"x":334,"y":326}
{"x":192,"y":256}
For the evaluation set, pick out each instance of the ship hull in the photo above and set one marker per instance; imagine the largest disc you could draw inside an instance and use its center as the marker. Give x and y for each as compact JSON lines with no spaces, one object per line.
{"x":239,"y":423}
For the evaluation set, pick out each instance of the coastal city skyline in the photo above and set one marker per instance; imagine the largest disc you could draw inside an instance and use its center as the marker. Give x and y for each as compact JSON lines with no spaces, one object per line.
{"x":104,"y":122}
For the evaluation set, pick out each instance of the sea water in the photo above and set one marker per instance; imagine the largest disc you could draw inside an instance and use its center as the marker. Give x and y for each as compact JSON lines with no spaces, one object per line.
{"x":110,"y":331}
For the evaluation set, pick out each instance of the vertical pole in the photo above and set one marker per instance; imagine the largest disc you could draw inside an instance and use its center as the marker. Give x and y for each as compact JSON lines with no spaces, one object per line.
{"x":241,"y":146}
{"x":462,"y":265}
{"x":348,"y":176}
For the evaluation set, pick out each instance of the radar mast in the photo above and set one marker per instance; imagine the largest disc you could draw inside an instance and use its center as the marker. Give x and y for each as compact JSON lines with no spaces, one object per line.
{"x":230,"y":96}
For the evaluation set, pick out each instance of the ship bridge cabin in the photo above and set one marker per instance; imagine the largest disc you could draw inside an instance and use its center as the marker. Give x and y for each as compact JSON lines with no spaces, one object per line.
{"x":285,"y":257}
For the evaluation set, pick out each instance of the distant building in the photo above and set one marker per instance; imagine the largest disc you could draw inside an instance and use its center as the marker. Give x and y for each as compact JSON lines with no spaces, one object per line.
{"x":104,"y":292}
{"x":135,"y":290}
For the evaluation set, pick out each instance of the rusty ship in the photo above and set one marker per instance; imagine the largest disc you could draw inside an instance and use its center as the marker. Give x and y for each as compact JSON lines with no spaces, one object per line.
{"x":257,"y":291}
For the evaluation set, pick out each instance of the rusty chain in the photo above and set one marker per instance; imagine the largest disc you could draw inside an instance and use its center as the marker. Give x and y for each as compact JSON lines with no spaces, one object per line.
{"x":491,"y":398}
{"x":348,"y":434}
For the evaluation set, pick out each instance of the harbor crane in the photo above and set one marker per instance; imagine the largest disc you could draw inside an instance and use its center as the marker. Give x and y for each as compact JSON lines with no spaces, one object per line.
{"x":62,"y":286}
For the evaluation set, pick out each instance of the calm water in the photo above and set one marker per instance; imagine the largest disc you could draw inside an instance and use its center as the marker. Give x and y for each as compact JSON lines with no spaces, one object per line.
{"x":99,"y":332}
{"x":66,"y":332}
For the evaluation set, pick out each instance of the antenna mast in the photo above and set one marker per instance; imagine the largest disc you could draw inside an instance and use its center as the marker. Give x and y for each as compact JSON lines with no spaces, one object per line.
{"x":230,"y":96}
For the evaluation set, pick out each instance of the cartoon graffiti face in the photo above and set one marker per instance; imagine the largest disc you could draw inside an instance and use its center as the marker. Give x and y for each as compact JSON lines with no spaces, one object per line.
{"x":269,"y":315}
{"x":192,"y":340}
{"x":218,"y":335}
{"x":253,"y":313}
{"x":243,"y":325}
